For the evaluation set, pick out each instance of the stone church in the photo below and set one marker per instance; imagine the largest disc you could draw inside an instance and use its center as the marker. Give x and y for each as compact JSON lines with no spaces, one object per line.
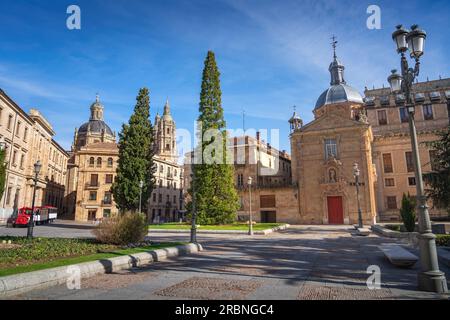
{"x":324,"y":152}
{"x":347,"y":129}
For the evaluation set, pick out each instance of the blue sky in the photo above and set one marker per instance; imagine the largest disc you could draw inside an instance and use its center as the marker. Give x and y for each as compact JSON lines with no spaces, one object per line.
{"x":272,"y":55}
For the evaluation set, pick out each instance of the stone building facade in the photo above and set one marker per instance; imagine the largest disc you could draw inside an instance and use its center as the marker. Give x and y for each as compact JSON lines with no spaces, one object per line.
{"x":166,"y":201}
{"x":28,"y":137}
{"x":372,"y":132}
{"x":392,"y":145}
{"x":92,"y":169}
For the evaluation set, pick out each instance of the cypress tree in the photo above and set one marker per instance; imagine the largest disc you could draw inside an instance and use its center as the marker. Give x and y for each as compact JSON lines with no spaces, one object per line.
{"x":216,"y":197}
{"x":135,"y":158}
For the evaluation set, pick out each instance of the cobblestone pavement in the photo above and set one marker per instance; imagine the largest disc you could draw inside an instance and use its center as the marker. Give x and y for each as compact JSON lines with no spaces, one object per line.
{"x":303,"y":262}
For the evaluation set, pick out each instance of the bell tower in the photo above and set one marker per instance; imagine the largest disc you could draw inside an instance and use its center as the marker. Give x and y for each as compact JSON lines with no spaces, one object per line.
{"x":165,"y":138}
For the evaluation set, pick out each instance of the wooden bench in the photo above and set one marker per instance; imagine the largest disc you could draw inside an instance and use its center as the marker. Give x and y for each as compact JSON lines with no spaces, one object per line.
{"x":398,"y":256}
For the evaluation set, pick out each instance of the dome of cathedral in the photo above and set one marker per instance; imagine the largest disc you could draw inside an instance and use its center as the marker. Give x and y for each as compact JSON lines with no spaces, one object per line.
{"x":95,"y":126}
{"x":339,"y":93}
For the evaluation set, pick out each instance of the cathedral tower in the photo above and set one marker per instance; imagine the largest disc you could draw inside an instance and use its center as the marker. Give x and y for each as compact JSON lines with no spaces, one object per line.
{"x":165,"y":138}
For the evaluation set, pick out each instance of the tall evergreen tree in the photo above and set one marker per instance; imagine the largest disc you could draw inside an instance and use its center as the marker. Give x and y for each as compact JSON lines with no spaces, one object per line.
{"x":135,"y":158}
{"x":2,"y":172}
{"x":215,"y":195}
{"x":439,"y":179}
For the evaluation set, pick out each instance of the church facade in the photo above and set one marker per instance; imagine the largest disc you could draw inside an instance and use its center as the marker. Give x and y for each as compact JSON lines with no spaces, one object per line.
{"x":348,"y":130}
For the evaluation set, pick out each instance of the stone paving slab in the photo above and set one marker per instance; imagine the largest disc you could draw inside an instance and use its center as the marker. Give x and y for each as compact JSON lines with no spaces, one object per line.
{"x":303,"y":262}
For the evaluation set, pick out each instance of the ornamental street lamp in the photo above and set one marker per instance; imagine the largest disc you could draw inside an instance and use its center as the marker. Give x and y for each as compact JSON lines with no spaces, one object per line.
{"x":141,"y":185}
{"x":37,"y":169}
{"x":250,"y":223}
{"x":430,"y":278}
{"x":194,"y":209}
{"x":356,"y":173}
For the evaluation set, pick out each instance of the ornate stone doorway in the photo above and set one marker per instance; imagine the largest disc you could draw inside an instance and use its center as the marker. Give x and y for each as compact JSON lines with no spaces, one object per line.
{"x":335,"y":210}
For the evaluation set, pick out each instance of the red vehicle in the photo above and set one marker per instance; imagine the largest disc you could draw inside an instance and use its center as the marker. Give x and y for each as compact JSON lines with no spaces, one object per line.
{"x":42,"y":215}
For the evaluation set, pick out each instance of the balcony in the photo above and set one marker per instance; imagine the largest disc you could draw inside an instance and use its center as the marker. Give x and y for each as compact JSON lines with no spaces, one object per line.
{"x":107,"y":203}
{"x":91,"y":185}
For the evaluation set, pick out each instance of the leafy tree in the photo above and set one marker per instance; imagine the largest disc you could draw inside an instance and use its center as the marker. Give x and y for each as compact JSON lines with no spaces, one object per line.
{"x":135,"y":158}
{"x":216,"y":197}
{"x":408,"y":212}
{"x":2,"y":172}
{"x":438,"y":180}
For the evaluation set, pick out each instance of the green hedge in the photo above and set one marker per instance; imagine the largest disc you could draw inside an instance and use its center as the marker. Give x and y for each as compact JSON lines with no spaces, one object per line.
{"x":443,"y":240}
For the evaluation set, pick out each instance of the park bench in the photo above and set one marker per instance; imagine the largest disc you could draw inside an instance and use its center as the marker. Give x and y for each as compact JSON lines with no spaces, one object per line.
{"x":398,"y":256}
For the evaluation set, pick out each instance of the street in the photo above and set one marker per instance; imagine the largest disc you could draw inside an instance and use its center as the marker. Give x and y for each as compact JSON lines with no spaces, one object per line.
{"x":303,"y":262}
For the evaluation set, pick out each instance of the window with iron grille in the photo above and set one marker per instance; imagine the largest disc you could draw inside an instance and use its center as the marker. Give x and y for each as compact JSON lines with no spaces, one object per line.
{"x":404,"y":116}
{"x":427,"y":112}
{"x":387,"y":163}
{"x":390,"y":182}
{"x":391,"y":203}
{"x":409,"y":161}
{"x":382,"y":117}
{"x":330,"y":148}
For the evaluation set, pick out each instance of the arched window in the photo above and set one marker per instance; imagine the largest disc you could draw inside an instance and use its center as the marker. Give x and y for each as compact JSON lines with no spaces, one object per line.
{"x":99,"y":162}
{"x":91,"y":161}
{"x":110,"y":162}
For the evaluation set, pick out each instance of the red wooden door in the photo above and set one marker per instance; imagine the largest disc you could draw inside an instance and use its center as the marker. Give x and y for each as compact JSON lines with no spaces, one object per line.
{"x":335,"y":210}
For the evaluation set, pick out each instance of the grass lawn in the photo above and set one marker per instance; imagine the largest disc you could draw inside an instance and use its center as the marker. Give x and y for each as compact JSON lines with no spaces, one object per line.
{"x":234,"y":226}
{"x":27,"y":256}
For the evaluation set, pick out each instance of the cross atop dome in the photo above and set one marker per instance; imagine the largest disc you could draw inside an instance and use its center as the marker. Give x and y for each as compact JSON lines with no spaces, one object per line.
{"x":334,"y":45}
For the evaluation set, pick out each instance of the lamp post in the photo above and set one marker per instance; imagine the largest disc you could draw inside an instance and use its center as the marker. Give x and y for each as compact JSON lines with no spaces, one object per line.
{"x":194,"y":210}
{"x":250,"y":223}
{"x":356,"y":173}
{"x":430,"y":278}
{"x":37,"y":169}
{"x":141,"y":185}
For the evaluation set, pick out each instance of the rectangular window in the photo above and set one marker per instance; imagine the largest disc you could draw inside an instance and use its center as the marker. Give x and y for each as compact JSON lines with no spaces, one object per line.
{"x":390,"y":182}
{"x":154,"y":197}
{"x":107,"y":199}
{"x":382,"y":118}
{"x":409,"y":162}
{"x":94,"y":180}
{"x":427,"y":112}
{"x":10,"y":119}
{"x":412,"y":181}
{"x":25,"y":134}
{"x":106,"y":213}
{"x":387,"y":163}
{"x":93,"y":195}
{"x":22,"y":160}
{"x":404,"y":116}
{"x":392,"y":203}
{"x":330,"y":148}
{"x":433,"y":160}
{"x":160,"y":198}
{"x":267,"y":201}
{"x":8,"y":195}
{"x":14,"y":159}
{"x":174,"y":199}
{"x":18,"y":128}
{"x":108,"y":178}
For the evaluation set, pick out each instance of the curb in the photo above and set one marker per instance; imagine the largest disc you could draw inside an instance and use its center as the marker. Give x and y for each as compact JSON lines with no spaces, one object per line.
{"x":411,"y":237}
{"x":24,"y":282}
{"x":260,"y":232}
